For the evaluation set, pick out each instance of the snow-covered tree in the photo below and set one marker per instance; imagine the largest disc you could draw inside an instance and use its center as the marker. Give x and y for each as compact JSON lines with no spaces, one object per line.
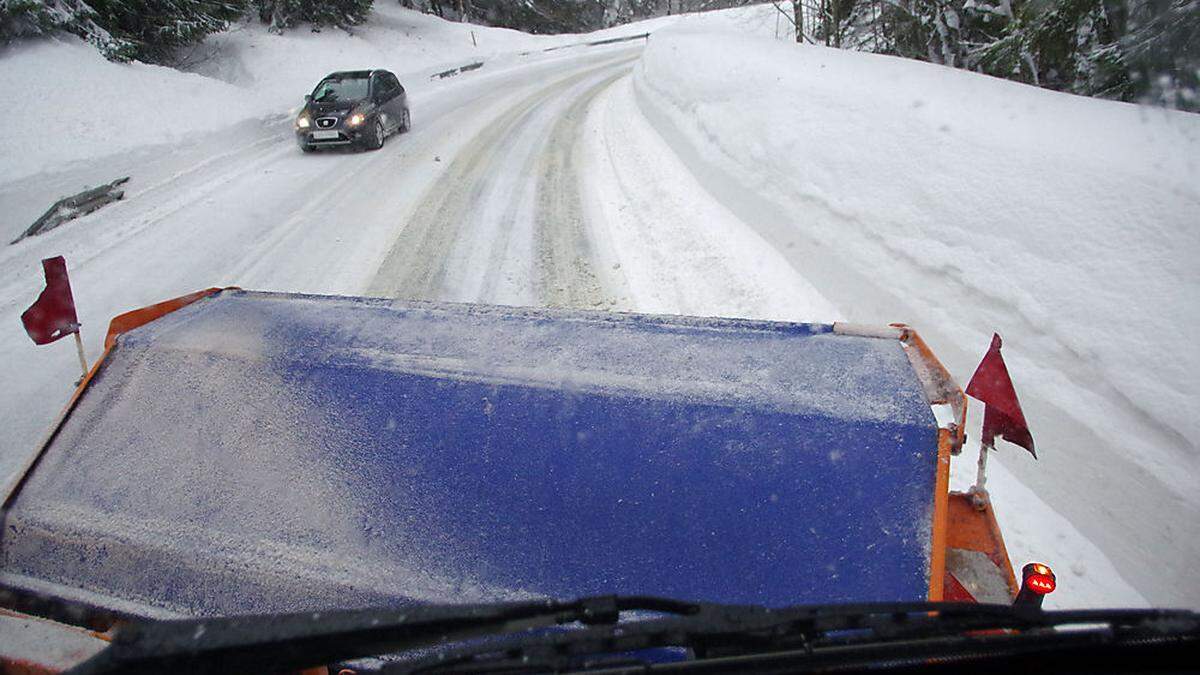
{"x":28,"y":18}
{"x":283,"y":14}
{"x":941,"y":31}
{"x":617,"y":12}
{"x":1161,"y":53}
{"x":1069,"y":45}
{"x":833,"y":19}
{"x":1146,"y":50}
{"x":151,"y":30}
{"x":542,"y":16}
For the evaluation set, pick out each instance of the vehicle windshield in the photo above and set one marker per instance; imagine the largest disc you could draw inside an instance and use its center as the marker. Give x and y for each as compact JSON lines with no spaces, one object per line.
{"x":313,"y":306}
{"x":334,"y":90}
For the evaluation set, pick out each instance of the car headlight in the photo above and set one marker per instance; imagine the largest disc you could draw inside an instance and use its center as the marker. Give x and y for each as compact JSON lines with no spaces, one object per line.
{"x":302,"y":122}
{"x":355,"y":119}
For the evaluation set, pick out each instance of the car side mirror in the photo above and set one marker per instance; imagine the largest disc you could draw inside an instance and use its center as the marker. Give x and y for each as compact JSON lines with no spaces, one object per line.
{"x":308,"y":98}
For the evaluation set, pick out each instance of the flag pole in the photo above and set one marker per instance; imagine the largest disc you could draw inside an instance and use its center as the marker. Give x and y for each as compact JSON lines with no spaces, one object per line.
{"x":82,"y":359}
{"x":979,"y":494}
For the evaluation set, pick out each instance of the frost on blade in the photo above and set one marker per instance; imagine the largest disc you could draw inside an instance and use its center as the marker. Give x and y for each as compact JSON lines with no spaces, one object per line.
{"x":257,"y":452}
{"x":213,"y":461}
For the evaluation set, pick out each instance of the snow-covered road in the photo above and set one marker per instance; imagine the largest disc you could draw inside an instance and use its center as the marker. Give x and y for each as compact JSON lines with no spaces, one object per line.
{"x":536,"y":183}
{"x":564,"y":195}
{"x":504,"y":222}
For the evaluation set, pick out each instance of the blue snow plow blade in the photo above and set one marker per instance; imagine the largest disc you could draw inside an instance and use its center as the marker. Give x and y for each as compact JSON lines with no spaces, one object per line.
{"x":258,"y":452}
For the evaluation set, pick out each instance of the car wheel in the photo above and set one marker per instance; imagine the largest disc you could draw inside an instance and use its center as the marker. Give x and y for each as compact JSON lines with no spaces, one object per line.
{"x":378,"y":137}
{"x":406,"y":126}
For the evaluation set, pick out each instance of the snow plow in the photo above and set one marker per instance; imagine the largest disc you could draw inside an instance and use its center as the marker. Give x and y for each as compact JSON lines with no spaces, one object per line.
{"x":250,"y":453}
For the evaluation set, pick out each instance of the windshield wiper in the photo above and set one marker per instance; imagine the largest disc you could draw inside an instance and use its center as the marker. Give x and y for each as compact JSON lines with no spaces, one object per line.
{"x":559,"y":636}
{"x":294,"y":641}
{"x":920,"y":637}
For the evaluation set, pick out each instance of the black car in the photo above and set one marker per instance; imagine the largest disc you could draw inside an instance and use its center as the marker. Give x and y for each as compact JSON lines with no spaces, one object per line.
{"x":354,"y":107}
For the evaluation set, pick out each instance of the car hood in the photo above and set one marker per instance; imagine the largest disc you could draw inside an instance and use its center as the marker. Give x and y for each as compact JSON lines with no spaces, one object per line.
{"x":338,"y":107}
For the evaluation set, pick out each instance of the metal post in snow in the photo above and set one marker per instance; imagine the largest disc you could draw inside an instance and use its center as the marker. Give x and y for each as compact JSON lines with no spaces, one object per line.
{"x":473,"y":42}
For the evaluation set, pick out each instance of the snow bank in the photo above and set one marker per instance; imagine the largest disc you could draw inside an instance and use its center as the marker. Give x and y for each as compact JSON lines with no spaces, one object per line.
{"x":86,"y":107}
{"x":83,"y":106}
{"x":1035,"y":532}
{"x":965,"y":204}
{"x":282,"y":68}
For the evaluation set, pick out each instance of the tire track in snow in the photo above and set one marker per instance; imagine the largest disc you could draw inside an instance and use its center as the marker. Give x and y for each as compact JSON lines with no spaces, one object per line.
{"x":453,"y":247}
{"x":681,"y":251}
{"x":565,"y":254}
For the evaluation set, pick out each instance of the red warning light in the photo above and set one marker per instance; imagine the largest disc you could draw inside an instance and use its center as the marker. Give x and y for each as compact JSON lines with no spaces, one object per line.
{"x":1037,"y":581}
{"x":1040,"y":584}
{"x":1039,"y":578}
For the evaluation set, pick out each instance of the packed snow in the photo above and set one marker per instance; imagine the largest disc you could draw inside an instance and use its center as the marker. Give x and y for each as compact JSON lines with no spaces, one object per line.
{"x":964,"y":204}
{"x":713,"y":169}
{"x":89,"y":107}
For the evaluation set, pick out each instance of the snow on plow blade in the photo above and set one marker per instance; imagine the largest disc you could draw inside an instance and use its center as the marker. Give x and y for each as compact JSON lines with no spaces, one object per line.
{"x":253,"y":452}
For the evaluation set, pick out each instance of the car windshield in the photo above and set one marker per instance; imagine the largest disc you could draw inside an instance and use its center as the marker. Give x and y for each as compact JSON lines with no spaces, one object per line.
{"x":341,"y":89}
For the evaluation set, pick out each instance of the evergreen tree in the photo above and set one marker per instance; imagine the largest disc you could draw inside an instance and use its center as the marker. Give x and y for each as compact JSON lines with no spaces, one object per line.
{"x":617,"y":12}
{"x":27,"y":18}
{"x":1068,"y":45}
{"x":283,"y":14}
{"x":834,"y":19}
{"x":942,"y":31}
{"x":151,"y":30}
{"x":544,"y":16}
{"x":1161,"y":53}
{"x":1132,"y":50}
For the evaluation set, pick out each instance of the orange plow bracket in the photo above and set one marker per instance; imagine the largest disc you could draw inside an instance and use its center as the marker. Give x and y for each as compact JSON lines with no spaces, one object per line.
{"x":123,"y":323}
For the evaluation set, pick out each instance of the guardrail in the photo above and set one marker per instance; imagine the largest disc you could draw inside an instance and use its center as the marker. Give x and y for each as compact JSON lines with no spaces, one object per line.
{"x":455,"y":71}
{"x":74,"y":206}
{"x":441,"y":75}
{"x":596,"y":43}
{"x":628,"y":38}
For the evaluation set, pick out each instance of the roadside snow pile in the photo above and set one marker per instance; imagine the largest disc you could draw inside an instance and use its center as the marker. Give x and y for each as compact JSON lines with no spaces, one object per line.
{"x":1035,"y":532}
{"x":86,"y":106}
{"x":282,"y":68}
{"x":964,"y":204}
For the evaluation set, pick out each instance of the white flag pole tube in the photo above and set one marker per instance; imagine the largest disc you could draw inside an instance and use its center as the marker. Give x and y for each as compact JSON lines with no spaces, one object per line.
{"x":83,"y":365}
{"x":979,"y":493}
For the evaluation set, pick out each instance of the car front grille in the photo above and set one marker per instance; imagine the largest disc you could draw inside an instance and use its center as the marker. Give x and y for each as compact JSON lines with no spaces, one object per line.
{"x":326,"y":122}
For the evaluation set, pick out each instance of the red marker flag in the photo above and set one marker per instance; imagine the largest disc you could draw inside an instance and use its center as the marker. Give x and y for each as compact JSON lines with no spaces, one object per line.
{"x":53,"y":315}
{"x":1002,"y":414}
